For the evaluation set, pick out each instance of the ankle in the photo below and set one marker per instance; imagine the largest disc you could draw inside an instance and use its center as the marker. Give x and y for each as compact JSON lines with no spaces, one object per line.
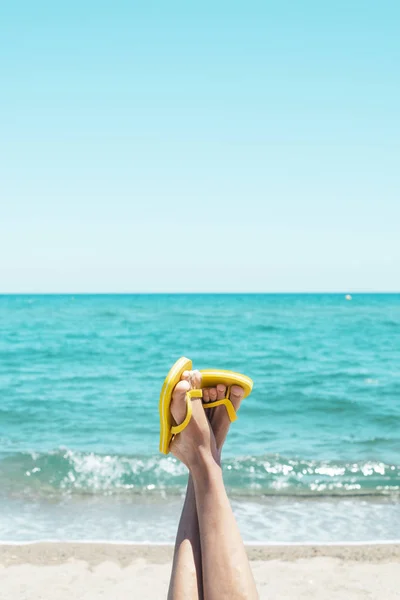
{"x":206,"y":464}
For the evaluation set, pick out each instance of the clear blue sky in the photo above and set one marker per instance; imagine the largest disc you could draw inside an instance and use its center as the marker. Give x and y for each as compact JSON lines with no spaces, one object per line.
{"x":199,"y":146}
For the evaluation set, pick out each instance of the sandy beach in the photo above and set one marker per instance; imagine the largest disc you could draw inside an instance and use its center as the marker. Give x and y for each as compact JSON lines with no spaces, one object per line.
{"x":94,"y":571}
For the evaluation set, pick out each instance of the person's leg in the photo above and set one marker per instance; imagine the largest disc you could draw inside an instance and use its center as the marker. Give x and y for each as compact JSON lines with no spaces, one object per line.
{"x":223,"y":534}
{"x":225,"y":567}
{"x":186,"y":578}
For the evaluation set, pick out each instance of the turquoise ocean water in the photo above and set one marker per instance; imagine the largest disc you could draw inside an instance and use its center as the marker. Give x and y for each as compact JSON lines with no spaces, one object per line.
{"x":314,"y":456}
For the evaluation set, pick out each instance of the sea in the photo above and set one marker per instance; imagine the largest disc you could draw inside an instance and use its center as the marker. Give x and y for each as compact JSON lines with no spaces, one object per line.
{"x":313,"y":457}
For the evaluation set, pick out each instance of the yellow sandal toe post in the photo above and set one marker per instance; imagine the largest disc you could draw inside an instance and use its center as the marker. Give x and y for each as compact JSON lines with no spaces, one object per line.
{"x":209,"y":378}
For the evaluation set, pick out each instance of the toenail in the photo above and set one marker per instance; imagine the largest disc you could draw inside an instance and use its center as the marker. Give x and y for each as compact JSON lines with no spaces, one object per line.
{"x":237,"y":392}
{"x":195,"y":379}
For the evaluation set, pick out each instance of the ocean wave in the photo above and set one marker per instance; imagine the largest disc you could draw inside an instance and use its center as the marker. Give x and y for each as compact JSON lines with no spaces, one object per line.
{"x":68,"y":472}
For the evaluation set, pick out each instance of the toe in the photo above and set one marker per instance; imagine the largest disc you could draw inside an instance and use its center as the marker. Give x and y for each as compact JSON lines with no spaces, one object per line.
{"x":213,"y":394}
{"x":180,"y":390}
{"x":206,"y":395}
{"x":237,"y":392}
{"x":185,"y":376}
{"x":221,"y":391}
{"x":195,"y":379}
{"x":236,"y":395}
{"x":178,"y":403}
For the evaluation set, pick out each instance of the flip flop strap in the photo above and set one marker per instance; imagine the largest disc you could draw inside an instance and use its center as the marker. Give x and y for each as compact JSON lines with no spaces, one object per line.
{"x":175,"y":429}
{"x":228,"y":405}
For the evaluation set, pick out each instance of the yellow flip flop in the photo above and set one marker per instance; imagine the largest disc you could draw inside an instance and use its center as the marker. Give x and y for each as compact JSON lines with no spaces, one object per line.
{"x":209,"y":378}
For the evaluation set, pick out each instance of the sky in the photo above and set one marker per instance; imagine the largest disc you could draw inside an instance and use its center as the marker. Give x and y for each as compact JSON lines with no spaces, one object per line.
{"x":202,"y":146}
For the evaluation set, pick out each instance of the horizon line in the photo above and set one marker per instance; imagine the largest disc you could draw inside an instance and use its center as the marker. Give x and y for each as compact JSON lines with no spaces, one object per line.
{"x":196,"y":293}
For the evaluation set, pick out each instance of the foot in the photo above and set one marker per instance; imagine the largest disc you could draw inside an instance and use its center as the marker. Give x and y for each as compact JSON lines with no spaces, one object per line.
{"x":218,"y":416}
{"x":195,"y":445}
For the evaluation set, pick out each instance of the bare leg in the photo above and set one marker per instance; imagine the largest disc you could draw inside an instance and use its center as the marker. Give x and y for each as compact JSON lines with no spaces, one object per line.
{"x":186,"y":577}
{"x":222,"y":547}
{"x":226,"y":570}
